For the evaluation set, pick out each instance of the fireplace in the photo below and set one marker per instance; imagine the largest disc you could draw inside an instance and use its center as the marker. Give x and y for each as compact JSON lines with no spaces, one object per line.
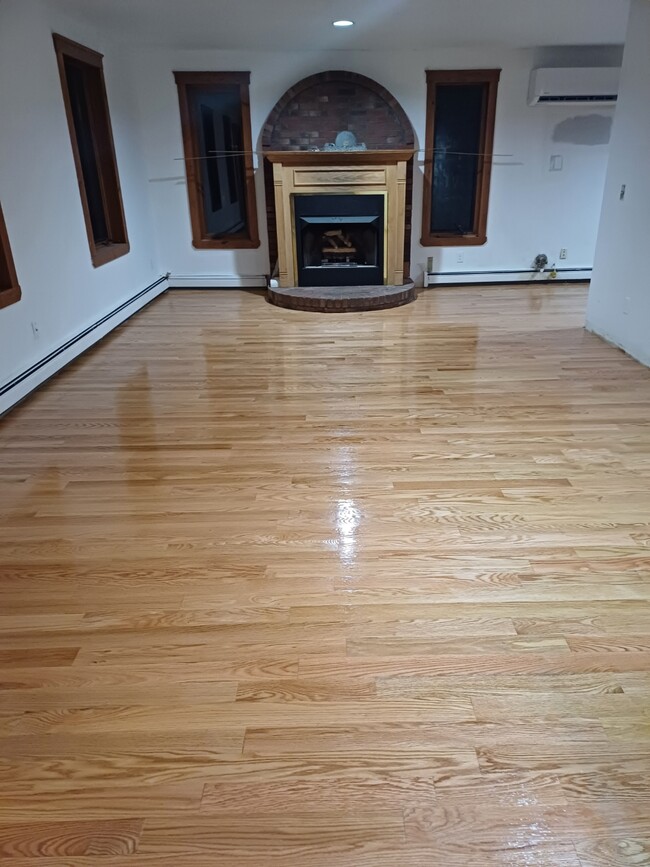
{"x":340,"y":217}
{"x":339,"y":239}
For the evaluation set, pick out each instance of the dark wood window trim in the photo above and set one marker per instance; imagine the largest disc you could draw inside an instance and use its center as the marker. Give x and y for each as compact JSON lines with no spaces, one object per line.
{"x":249,"y":239}
{"x":489,"y":77}
{"x":9,"y":286}
{"x":117,"y":243}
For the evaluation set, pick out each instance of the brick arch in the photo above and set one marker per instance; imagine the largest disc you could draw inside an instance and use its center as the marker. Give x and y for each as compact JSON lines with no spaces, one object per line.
{"x":311,"y":112}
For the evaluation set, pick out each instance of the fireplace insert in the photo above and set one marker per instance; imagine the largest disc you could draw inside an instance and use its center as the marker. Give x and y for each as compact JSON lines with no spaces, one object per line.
{"x":339,"y":239}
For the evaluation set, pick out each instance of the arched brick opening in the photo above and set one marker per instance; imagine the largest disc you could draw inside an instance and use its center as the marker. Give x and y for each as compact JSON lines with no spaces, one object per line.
{"x":313,"y":111}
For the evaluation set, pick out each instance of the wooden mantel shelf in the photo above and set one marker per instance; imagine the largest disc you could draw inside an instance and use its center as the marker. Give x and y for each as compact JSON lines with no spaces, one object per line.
{"x":339,"y":158}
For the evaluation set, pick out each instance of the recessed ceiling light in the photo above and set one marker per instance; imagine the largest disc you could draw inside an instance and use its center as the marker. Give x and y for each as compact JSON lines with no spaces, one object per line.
{"x":344,"y":22}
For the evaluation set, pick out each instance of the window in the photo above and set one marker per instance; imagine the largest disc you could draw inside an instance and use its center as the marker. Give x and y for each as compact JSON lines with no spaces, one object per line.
{"x":86,"y":105}
{"x":215,"y":117}
{"x":458,"y":162}
{"x":9,"y":288}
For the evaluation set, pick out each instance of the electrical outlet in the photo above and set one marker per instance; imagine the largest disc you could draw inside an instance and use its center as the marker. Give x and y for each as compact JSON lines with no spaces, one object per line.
{"x":563,"y":253}
{"x":35,"y":330}
{"x":460,"y":258}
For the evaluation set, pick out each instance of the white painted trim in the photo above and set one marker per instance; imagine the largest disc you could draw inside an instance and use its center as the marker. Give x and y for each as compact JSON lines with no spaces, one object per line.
{"x":464,"y":278}
{"x":18,"y":392}
{"x":218,"y":281}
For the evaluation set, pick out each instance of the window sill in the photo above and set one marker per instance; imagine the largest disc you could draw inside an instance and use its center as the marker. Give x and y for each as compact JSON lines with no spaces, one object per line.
{"x":101,"y":255}
{"x":453,"y":240}
{"x":10,"y":296}
{"x":226,"y":243}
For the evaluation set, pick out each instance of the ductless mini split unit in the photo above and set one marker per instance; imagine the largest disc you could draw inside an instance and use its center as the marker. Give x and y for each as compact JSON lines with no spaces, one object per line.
{"x":588,"y":85}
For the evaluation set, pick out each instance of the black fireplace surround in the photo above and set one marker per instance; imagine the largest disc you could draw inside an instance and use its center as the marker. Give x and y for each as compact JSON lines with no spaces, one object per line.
{"x":339,"y":239}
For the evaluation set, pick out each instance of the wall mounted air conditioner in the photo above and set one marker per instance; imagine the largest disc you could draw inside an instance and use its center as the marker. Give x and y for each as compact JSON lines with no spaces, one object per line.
{"x":587,"y":85}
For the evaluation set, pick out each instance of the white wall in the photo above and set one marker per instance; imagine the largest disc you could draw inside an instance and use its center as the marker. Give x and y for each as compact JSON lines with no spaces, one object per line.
{"x":62,"y":292}
{"x":532,"y":210}
{"x":619,"y":298}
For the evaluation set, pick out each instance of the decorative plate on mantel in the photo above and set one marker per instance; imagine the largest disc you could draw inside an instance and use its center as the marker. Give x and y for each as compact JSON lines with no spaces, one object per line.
{"x":345,"y":141}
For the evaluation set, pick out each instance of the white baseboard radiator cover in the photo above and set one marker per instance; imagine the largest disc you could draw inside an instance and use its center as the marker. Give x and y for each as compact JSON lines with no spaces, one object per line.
{"x":464,"y":278}
{"x":217,"y":281}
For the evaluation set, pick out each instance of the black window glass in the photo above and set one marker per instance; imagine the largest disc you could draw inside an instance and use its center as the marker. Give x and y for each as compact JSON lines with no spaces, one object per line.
{"x":218,"y":112}
{"x":78,"y":91}
{"x":458,"y":133}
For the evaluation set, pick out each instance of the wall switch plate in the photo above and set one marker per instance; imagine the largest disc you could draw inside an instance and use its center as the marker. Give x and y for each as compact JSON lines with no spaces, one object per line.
{"x":35,"y":330}
{"x":557,"y":163}
{"x":563,"y":253}
{"x":622,"y":193}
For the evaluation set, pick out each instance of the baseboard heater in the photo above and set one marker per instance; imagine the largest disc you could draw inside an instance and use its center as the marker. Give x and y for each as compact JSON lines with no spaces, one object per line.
{"x":465,"y":278}
{"x":32,"y":372}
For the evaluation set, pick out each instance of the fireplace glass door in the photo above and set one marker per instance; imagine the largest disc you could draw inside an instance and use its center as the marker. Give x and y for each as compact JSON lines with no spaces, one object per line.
{"x":340,"y":239}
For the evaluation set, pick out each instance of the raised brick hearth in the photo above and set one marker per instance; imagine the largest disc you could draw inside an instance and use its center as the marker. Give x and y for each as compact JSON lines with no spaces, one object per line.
{"x":343,"y":299}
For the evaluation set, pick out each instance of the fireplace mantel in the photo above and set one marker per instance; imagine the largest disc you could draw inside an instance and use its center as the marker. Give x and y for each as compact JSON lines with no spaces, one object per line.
{"x":346,"y":172}
{"x":340,"y":158}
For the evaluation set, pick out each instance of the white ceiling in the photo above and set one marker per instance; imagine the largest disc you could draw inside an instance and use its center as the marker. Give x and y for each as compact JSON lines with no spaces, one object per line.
{"x":273,"y":24}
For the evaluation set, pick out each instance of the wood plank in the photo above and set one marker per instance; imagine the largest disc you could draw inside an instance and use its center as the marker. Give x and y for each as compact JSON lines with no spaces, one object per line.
{"x":465,"y":664}
{"x":42,"y":803}
{"x":203,"y":651}
{"x":308,"y":689}
{"x":334,"y":797}
{"x":606,"y":707}
{"x":561,"y":757}
{"x":507,"y":789}
{"x":40,"y":699}
{"x":183,"y":760}
{"x":133,"y":718}
{"x":98,"y":838}
{"x":37,"y":657}
{"x":516,"y":685}
{"x":459,"y":644}
{"x":216,"y":742}
{"x":418,"y":736}
{"x":229,"y":835}
{"x":149,"y":676}
{"x":127,"y":718}
{"x":609,"y":643}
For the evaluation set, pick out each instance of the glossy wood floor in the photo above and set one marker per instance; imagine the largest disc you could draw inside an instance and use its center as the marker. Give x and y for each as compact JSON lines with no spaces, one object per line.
{"x":322,"y":591}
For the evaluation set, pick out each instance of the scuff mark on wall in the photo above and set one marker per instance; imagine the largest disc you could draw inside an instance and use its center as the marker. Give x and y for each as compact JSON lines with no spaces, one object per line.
{"x":588,"y":129}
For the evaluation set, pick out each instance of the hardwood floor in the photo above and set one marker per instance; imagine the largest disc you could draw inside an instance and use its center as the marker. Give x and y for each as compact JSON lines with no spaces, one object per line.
{"x":288,"y":589}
